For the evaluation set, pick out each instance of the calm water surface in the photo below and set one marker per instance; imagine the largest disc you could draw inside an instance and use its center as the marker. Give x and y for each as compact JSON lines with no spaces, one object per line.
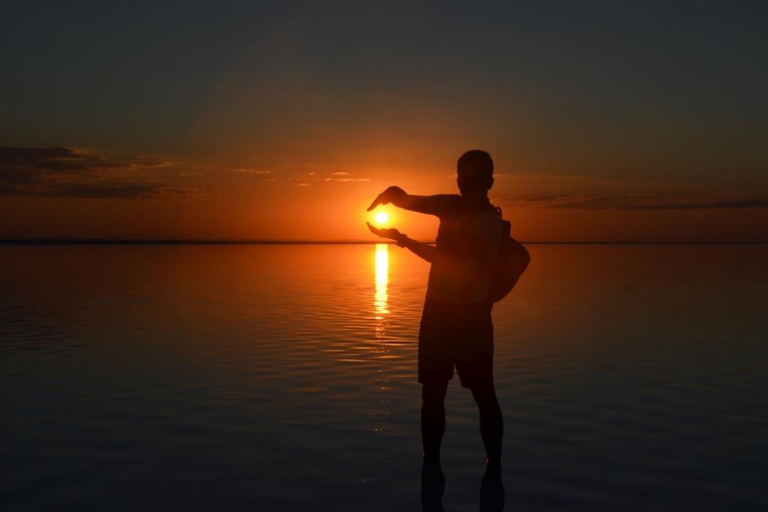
{"x":284,"y":378}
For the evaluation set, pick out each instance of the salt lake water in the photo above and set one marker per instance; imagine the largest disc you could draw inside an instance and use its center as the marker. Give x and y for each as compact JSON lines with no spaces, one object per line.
{"x":283,"y":377}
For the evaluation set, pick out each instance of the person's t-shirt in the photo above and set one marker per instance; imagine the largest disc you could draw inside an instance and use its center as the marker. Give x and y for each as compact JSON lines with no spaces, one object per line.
{"x":468,"y":241}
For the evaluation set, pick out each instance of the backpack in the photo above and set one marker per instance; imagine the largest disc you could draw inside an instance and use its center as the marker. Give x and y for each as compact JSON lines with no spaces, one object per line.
{"x":511,"y":261}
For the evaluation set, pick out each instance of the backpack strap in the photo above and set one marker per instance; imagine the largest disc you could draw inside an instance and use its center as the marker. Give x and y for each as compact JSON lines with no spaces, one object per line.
{"x":506,"y":226}
{"x":467,"y":217}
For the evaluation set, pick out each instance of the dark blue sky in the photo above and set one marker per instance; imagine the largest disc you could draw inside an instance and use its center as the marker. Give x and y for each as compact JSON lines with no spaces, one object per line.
{"x":668,"y":91}
{"x":136,"y":74}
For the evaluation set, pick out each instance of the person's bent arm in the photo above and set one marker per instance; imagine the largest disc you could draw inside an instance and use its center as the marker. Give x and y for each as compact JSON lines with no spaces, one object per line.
{"x":431,"y":205}
{"x":466,"y":266}
{"x":420,"y":249}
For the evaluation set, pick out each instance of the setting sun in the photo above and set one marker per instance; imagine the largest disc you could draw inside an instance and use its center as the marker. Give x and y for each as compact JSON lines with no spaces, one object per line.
{"x":382,"y":218}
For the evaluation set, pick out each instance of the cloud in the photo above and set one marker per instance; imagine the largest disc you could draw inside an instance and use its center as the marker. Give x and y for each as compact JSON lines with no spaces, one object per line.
{"x":251,"y":171}
{"x":117,"y":191}
{"x":631,"y":202}
{"x":741,"y":203}
{"x":584,"y":192}
{"x":63,"y":172}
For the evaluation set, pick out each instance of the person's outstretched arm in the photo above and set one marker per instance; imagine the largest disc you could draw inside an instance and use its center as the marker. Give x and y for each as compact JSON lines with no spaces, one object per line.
{"x":420,"y":249}
{"x":431,"y":205}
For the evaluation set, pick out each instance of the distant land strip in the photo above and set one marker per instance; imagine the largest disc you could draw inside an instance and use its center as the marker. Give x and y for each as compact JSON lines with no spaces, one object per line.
{"x":131,"y":241}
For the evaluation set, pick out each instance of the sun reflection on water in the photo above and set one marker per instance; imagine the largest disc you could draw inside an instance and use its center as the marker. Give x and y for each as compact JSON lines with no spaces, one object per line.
{"x":379,"y":408}
{"x":381,"y":295}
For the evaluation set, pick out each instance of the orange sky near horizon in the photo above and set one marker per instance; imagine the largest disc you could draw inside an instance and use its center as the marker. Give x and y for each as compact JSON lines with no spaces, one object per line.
{"x":252,"y":208}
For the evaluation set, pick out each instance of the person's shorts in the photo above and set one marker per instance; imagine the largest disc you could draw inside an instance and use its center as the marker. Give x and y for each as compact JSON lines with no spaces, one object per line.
{"x":459,"y":335}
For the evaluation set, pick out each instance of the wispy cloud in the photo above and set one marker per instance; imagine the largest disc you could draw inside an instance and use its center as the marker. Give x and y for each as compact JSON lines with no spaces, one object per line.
{"x":636,"y":202}
{"x":251,"y":171}
{"x":580,"y":192}
{"x":63,"y":172}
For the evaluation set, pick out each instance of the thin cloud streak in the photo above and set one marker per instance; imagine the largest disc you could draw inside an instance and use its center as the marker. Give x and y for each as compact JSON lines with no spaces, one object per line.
{"x":638,"y":202}
{"x":59,"y":172}
{"x":251,"y":171}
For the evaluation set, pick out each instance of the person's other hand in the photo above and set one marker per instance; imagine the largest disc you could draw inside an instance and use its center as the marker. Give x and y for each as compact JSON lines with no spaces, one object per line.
{"x":390,"y":233}
{"x":386,"y":197}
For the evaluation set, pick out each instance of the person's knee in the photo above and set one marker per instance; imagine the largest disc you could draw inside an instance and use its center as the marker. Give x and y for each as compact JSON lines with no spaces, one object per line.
{"x":485,"y":395}
{"x":433,"y":394}
{"x":433,"y":400}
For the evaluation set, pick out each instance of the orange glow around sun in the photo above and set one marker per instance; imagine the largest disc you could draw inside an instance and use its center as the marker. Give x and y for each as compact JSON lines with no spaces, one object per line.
{"x":382,"y":218}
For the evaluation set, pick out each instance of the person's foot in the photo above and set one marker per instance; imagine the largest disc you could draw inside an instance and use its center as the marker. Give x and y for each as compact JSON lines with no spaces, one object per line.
{"x":492,"y":492}
{"x":493,"y":467}
{"x":432,"y":474}
{"x":432,"y":486}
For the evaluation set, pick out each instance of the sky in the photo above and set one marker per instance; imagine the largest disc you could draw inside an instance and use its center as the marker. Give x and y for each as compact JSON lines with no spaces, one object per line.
{"x":607,"y":120}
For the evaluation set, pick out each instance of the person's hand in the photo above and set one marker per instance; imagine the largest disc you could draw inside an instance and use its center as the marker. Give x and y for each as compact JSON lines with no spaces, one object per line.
{"x":386,"y":197}
{"x":390,"y":233}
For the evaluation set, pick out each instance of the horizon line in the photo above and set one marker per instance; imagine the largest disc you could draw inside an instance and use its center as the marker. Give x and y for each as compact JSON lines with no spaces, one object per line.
{"x":143,"y":241}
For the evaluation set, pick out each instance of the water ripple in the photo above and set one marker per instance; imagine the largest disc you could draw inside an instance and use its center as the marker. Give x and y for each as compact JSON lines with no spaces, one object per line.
{"x":631,"y":378}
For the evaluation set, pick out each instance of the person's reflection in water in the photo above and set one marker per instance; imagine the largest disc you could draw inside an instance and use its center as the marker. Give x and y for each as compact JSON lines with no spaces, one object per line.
{"x":456,"y":327}
{"x":491,"y":493}
{"x":432,"y":488}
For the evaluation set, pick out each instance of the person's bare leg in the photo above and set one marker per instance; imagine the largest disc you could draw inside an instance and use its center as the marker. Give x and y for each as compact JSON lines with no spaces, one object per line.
{"x":433,"y":419}
{"x":491,"y":422}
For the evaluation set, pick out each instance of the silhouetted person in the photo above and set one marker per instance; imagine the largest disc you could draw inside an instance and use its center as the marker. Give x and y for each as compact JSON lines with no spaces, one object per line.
{"x":456,"y":328}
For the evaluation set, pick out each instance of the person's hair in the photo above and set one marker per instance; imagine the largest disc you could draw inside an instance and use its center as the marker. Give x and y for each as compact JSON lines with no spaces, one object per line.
{"x":476,"y":163}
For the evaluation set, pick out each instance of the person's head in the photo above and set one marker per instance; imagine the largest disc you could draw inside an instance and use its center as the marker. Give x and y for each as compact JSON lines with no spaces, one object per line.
{"x":474,"y":173}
